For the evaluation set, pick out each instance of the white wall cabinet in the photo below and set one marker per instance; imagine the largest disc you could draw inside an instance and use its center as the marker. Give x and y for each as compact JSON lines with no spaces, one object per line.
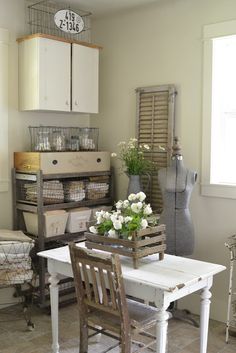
{"x":56,"y":75}
{"x":84,"y":79}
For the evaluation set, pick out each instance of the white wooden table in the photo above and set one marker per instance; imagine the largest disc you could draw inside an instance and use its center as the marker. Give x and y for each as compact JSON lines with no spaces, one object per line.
{"x":161,"y":282}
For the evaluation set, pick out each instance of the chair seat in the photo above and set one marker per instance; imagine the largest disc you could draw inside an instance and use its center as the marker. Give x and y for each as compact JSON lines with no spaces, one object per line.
{"x":141,"y":316}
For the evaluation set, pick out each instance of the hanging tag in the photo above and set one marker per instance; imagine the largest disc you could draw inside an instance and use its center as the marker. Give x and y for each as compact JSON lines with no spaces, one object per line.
{"x":69,"y":21}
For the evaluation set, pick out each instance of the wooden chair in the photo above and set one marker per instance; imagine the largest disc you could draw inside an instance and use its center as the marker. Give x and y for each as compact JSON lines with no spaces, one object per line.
{"x":102,"y":301}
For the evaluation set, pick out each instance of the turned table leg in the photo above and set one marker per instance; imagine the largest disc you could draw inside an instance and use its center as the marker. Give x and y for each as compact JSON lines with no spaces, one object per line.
{"x":53,"y":280}
{"x":161,"y":330}
{"x":204,"y":319}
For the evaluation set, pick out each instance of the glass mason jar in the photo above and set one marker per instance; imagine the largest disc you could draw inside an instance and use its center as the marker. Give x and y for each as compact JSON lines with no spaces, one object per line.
{"x":58,"y":141}
{"x":42,"y":141}
{"x":74,"y":143}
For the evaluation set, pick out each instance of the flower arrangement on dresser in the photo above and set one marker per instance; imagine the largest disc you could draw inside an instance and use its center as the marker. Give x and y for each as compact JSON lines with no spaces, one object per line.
{"x":132,"y":155}
{"x":136,"y":162}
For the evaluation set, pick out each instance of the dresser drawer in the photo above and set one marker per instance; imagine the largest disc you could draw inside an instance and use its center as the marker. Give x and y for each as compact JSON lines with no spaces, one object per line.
{"x":62,"y":162}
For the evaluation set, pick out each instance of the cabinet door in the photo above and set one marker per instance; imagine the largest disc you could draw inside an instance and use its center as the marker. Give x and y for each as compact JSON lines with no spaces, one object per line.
{"x":54,"y":75}
{"x":44,"y":74}
{"x":85,"y":62}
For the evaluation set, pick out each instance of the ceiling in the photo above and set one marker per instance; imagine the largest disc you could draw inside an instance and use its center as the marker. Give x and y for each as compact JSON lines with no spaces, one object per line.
{"x":104,"y":7}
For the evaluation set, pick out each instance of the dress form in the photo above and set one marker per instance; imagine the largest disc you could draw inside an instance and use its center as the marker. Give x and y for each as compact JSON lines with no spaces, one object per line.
{"x":176,"y":183}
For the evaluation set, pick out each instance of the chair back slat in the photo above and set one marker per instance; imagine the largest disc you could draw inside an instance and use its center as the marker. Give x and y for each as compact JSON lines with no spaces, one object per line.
{"x":103,"y":296}
{"x":98,"y":282}
{"x":112,"y":290}
{"x":86,"y":280}
{"x":95,"y":285}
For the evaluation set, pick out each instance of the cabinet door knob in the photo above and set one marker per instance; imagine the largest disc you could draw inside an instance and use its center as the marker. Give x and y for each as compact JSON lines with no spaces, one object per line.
{"x":76,"y":102}
{"x":67,"y":102}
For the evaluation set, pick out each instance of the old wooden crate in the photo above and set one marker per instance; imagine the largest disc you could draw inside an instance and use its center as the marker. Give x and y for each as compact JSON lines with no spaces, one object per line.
{"x":144,"y":242}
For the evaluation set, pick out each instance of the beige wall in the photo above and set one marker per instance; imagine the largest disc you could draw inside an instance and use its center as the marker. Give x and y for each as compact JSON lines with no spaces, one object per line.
{"x":12,"y":17}
{"x":162,"y":44}
{"x":155,"y":45}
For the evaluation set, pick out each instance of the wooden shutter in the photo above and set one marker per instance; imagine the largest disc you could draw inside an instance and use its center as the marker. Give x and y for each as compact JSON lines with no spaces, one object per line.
{"x":155,"y":127}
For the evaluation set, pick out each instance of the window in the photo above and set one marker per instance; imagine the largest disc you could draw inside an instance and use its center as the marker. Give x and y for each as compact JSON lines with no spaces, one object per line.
{"x":219,"y":111}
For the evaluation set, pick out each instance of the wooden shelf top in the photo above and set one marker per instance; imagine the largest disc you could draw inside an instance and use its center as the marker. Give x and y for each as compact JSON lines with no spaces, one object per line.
{"x":60,"y":39}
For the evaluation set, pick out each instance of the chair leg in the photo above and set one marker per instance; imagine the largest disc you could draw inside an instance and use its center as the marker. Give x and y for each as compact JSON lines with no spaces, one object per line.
{"x":125,"y":342}
{"x":83,"y":337}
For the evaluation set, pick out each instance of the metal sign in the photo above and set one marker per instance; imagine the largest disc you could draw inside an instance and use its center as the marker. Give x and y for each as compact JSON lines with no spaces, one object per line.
{"x":69,"y":21}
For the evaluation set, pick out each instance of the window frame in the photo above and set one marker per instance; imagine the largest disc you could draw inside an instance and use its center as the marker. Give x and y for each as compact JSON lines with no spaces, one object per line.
{"x":4,"y":158}
{"x":210,"y":32}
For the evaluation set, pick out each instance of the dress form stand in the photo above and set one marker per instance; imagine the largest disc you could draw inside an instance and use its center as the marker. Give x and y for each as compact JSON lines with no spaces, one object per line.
{"x":176,"y":183}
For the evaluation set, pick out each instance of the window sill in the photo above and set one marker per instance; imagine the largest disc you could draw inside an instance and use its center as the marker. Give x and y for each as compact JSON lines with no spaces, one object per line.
{"x":217,"y":190}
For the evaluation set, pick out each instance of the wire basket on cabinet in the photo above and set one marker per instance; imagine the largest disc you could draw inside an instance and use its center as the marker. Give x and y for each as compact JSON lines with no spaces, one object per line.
{"x":41,"y":19}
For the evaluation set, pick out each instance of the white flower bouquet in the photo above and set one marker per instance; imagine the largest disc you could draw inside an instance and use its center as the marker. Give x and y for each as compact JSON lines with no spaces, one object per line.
{"x":134,"y":157}
{"x":130,"y":215}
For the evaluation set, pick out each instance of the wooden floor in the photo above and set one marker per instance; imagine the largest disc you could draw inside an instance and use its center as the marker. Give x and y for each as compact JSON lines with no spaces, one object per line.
{"x":15,"y":338}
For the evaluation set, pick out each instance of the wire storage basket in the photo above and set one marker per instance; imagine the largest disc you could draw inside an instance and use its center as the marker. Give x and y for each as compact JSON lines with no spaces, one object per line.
{"x":52,"y":192}
{"x":98,"y":187}
{"x":41,"y":19}
{"x":59,"y":139}
{"x":16,"y":268}
{"x":15,"y":262}
{"x":65,"y":190}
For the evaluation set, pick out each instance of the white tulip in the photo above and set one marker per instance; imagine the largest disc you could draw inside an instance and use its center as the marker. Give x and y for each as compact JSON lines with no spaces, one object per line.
{"x":112,"y":233}
{"x":113,"y":154}
{"x":141,"y":196}
{"x":107,"y":215}
{"x":99,"y":219}
{"x":93,"y":229}
{"x":144,"y":223}
{"x":113,"y":217}
{"x":136,"y":207}
{"x":147,"y":210}
{"x":117,"y":225}
{"x":100,"y":213}
{"x":121,"y":219}
{"x":132,"y":197}
{"x":126,"y":204}
{"x":128,"y":219}
{"x":119,"y":204}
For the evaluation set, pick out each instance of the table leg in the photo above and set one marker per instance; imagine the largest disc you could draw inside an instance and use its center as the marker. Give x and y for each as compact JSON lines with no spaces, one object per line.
{"x":204,"y":319}
{"x":53,"y":280}
{"x":161,"y":330}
